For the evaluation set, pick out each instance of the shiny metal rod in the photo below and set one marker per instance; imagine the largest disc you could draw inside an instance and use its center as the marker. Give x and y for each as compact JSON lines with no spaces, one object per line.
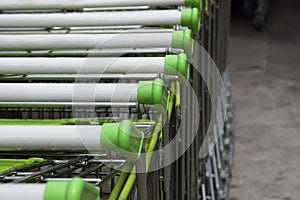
{"x":123,"y":18}
{"x":67,"y":4}
{"x":29,"y":42}
{"x":43,"y":92}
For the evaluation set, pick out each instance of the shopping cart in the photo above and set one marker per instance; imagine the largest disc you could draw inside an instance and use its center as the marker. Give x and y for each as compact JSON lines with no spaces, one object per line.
{"x":87,"y":88}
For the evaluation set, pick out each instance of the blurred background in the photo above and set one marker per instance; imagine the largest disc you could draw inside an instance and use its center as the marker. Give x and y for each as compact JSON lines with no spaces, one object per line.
{"x":265,"y":73}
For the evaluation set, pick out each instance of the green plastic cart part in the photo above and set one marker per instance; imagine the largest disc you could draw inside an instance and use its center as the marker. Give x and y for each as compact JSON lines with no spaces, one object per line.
{"x":153,"y":93}
{"x":194,"y":3}
{"x":7,"y":164}
{"x":175,"y":64}
{"x":183,"y":40}
{"x":76,"y":189}
{"x":123,"y":137}
{"x":191,"y":19}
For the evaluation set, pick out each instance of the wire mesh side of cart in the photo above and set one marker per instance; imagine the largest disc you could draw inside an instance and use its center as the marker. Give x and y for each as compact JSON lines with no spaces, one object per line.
{"x":216,"y":168}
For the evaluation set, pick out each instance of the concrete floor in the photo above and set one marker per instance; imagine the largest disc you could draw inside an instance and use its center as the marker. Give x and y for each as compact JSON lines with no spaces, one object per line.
{"x":265,"y":74}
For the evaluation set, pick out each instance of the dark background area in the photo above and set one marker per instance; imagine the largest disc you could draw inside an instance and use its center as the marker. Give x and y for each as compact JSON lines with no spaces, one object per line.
{"x":265,"y":74}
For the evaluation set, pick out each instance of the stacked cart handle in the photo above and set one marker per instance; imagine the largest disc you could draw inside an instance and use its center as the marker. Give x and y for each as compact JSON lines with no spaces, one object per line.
{"x":122,"y":136}
{"x":75,"y":189}
{"x":65,"y":4}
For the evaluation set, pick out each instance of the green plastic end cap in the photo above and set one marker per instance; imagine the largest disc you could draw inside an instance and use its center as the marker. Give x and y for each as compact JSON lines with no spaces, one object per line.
{"x":76,"y":189}
{"x":123,"y":137}
{"x":191,"y":19}
{"x":183,"y":40}
{"x":194,"y":3}
{"x":153,"y":93}
{"x":175,"y":64}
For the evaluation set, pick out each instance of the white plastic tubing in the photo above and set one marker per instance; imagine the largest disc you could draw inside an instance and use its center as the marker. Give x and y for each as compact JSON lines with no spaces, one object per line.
{"x":22,"y":191}
{"x":67,"y":4}
{"x":50,"y":137}
{"x":71,"y":65}
{"x":150,"y":17}
{"x":85,"y":41}
{"x":45,"y":92}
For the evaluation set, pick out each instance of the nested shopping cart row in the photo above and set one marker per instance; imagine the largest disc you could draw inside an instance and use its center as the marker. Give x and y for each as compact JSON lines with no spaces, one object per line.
{"x":44,"y":67}
{"x":90,"y":93}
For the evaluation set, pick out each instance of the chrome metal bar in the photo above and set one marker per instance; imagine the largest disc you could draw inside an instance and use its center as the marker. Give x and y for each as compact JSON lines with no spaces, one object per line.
{"x":73,"y":19}
{"x":66,"y":4}
{"x":30,"y":42}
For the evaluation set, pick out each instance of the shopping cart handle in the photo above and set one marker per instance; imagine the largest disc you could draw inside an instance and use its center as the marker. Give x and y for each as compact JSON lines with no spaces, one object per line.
{"x":78,"y":4}
{"x":74,"y":189}
{"x":123,"y":137}
{"x":186,"y":17}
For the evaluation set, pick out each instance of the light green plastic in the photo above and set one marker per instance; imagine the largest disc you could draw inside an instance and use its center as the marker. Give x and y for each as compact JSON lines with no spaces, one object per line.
{"x":194,"y":3}
{"x":76,"y":189}
{"x":183,"y":40}
{"x":7,"y":164}
{"x":191,"y":19}
{"x":153,"y":93}
{"x":123,"y":137}
{"x":55,"y":122}
{"x":175,"y":64}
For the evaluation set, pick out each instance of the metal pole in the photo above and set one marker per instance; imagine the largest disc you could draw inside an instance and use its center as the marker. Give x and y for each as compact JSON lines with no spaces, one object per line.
{"x":34,"y":20}
{"x":70,"y":65}
{"x":84,"y":41}
{"x":40,"y":92}
{"x":69,"y":104}
{"x":22,"y":191}
{"x":51,"y":137}
{"x":69,"y":4}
